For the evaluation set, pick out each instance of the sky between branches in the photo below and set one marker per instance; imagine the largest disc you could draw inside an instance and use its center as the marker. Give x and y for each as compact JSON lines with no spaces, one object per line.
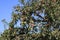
{"x":6,"y":10}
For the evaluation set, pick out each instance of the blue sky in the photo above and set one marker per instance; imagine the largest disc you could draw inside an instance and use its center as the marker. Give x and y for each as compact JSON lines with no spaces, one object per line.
{"x":6,"y":7}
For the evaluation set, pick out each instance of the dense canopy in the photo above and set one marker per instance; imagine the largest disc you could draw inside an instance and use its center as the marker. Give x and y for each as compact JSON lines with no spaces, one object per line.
{"x":39,"y":20}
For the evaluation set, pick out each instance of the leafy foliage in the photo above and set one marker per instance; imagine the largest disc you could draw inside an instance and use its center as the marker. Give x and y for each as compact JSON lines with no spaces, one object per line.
{"x":40,"y":20}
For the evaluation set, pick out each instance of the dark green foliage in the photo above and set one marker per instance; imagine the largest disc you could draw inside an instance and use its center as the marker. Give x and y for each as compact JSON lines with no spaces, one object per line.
{"x":48,"y":26}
